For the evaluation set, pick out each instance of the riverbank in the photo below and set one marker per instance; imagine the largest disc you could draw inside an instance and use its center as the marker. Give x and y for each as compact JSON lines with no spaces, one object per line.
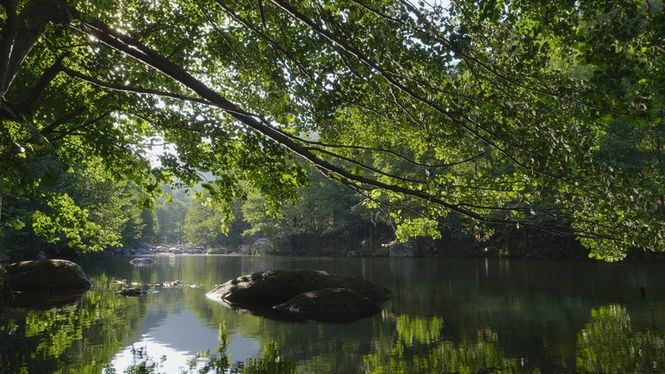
{"x":513,"y":244}
{"x":509,"y":243}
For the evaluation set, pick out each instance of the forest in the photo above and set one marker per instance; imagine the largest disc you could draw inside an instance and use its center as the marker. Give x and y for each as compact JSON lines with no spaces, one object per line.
{"x":483,"y":116}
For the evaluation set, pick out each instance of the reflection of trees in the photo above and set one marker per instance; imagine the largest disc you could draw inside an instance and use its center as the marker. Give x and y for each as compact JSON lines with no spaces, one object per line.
{"x":608,"y":344}
{"x":331,"y":348}
{"x":504,"y":296}
{"x":317,"y":348}
{"x":77,"y":338}
{"x":270,"y":362}
{"x":325,"y":348}
{"x":418,"y":348}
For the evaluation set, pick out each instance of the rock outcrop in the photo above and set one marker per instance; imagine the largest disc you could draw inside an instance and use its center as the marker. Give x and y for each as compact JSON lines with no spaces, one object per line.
{"x":397,"y":249}
{"x":262,"y":246}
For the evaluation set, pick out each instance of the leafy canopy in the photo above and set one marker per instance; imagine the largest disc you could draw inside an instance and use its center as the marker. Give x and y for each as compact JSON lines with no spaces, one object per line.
{"x":544,"y":115}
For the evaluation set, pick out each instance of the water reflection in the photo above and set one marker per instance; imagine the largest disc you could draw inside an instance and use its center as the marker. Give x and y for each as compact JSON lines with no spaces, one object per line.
{"x":178,"y":336}
{"x":609,"y":344}
{"x":75,"y":338}
{"x":153,"y":359}
{"x":420,"y":348}
{"x":463,"y":316}
{"x":43,"y":301}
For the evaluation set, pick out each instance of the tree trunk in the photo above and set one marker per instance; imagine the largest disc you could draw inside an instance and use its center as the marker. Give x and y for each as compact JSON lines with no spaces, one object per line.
{"x":22,"y":32}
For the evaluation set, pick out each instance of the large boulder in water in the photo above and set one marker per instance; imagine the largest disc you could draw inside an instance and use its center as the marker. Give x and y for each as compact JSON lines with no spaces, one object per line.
{"x":45,"y":276}
{"x":330,"y":304}
{"x":277,"y":286}
{"x":299,"y":294}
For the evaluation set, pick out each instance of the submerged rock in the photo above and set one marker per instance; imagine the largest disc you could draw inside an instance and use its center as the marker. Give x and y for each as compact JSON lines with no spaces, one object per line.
{"x":330,"y":304}
{"x":294,"y":292}
{"x":140,"y":289}
{"x":173,"y":284}
{"x":44,"y":276}
{"x":142,"y":261}
{"x":133,"y":291}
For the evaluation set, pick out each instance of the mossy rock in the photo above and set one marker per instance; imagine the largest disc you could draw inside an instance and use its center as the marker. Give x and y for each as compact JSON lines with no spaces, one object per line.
{"x":45,"y":276}
{"x":277,"y":286}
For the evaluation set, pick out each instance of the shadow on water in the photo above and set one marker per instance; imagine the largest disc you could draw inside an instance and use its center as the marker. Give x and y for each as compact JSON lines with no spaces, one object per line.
{"x":43,"y":301}
{"x":269,"y":312}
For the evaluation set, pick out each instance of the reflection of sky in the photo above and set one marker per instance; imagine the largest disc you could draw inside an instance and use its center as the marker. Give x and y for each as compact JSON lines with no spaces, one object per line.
{"x":179,"y":336}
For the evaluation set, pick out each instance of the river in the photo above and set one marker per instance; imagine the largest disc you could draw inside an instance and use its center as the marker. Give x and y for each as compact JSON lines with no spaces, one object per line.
{"x":446,"y":315}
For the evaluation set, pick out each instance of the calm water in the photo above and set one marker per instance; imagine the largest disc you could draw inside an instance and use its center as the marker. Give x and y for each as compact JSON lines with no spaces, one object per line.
{"x":448,"y":315}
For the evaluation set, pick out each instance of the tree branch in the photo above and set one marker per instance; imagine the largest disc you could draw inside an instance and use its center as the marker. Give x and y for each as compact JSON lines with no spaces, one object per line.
{"x":63,"y":119}
{"x":471,"y":127}
{"x":150,"y":57}
{"x":365,"y":166}
{"x":130,"y":89}
{"x":27,"y":104}
{"x":30,"y":25}
{"x":87,"y":122}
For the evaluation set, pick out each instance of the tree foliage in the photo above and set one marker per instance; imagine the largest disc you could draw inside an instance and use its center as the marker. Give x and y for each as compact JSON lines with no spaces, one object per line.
{"x":211,"y":223}
{"x":81,"y":210}
{"x":171,"y":219}
{"x":321,"y":208}
{"x":499,"y":112}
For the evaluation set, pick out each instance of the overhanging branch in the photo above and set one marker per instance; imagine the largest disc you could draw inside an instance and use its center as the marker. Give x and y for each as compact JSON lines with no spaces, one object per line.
{"x":130,"y":89}
{"x":150,"y":57}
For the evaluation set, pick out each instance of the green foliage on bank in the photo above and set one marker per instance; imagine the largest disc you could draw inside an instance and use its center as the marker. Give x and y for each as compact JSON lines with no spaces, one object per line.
{"x":81,"y":211}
